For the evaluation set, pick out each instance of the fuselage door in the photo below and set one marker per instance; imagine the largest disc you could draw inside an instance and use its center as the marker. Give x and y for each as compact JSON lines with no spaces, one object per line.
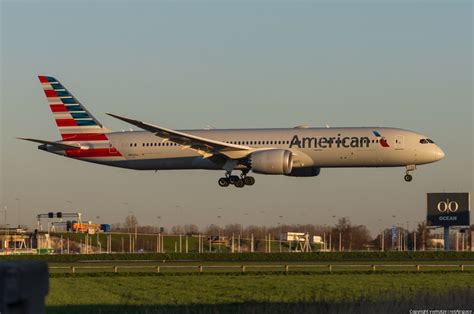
{"x":399,"y":142}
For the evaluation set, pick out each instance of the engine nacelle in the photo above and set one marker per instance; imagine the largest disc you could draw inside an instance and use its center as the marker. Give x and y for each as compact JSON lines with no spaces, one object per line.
{"x":305,"y":172}
{"x":275,"y":161}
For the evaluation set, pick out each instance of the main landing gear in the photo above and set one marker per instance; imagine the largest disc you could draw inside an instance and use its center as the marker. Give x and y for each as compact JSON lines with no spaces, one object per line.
{"x":408,"y":177}
{"x":237,"y":181}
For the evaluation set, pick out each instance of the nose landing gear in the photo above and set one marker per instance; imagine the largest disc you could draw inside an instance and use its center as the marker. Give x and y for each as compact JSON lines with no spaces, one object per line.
{"x":408,"y":177}
{"x":236,"y":181}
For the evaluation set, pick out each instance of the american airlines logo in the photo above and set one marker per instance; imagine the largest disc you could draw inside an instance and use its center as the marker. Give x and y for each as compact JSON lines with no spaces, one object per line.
{"x":382,"y":140}
{"x":329,"y":142}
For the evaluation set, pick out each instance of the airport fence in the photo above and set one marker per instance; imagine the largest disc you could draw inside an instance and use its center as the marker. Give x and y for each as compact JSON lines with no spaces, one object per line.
{"x":261,"y":268}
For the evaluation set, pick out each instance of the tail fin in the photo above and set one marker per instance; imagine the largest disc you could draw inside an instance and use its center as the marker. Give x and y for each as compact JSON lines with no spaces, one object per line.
{"x":74,"y":121}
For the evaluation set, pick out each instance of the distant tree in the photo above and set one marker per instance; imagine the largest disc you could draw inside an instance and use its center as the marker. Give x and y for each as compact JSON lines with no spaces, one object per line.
{"x":213,"y":230}
{"x":352,"y":237}
{"x":422,"y":236}
{"x":117,"y":227}
{"x":177,"y":229}
{"x":233,"y":229}
{"x":258,"y":232}
{"x":360,"y":237}
{"x":147,"y":229}
{"x":191,"y":229}
{"x":130,"y":222}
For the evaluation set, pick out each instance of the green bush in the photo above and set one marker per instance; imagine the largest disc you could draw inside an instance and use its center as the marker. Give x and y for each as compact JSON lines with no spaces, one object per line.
{"x":253,"y":257}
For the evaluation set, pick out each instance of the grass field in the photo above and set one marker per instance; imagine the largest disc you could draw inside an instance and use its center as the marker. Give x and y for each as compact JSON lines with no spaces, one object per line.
{"x":309,"y":286}
{"x":155,"y":292}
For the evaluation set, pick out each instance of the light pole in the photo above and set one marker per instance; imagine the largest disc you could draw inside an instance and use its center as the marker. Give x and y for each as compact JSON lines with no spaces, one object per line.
{"x":382,"y":235}
{"x":159,"y":222}
{"x":219,"y":227}
{"x":407,"y":236}
{"x":18,"y":200}
{"x":394,"y":237}
{"x":340,"y":241}
{"x":332,"y":228}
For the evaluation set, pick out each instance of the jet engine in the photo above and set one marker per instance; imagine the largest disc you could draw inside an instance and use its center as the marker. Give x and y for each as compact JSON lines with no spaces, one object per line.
{"x":275,"y":161}
{"x":305,"y":172}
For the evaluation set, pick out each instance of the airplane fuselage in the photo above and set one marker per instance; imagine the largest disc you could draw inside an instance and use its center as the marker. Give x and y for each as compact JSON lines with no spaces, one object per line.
{"x":311,"y":147}
{"x":299,"y":152}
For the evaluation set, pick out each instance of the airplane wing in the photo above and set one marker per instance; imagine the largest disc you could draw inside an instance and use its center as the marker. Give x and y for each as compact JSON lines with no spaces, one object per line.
{"x":204,"y":146}
{"x":54,"y":144}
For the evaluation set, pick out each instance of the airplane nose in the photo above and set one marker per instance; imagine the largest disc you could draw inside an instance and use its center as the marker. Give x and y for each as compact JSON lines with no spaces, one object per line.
{"x":439,"y":154}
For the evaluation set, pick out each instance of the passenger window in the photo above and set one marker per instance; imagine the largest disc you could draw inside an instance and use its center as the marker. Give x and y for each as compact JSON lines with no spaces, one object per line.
{"x":423,"y":141}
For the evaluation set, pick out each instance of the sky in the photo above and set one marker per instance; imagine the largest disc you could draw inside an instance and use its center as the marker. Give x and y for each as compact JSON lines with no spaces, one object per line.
{"x":236,"y":64}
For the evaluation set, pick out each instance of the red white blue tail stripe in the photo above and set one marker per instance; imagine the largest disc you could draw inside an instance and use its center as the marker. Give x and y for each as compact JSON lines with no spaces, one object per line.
{"x":71,"y":117}
{"x":75,"y":123}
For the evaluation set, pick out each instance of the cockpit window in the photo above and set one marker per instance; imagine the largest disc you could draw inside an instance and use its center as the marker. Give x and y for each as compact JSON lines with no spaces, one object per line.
{"x":426,"y":141}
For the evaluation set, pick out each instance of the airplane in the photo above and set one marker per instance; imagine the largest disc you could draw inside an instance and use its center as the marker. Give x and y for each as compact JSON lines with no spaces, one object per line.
{"x":296,"y":152}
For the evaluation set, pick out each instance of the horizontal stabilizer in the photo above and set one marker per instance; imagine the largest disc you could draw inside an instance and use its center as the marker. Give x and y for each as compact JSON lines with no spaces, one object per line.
{"x":54,"y":144}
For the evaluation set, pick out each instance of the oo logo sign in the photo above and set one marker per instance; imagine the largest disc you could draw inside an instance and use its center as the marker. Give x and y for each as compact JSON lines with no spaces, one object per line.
{"x":448,"y":206}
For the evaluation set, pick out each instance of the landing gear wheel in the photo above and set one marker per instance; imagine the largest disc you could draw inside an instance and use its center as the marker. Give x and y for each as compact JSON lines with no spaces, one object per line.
{"x":233,"y":179}
{"x":223,"y":182}
{"x":239,"y":183}
{"x":249,"y":180}
{"x":408,"y":177}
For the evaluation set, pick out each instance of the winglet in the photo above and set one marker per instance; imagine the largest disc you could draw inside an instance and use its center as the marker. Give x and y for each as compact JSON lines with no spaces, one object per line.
{"x":136,"y":123}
